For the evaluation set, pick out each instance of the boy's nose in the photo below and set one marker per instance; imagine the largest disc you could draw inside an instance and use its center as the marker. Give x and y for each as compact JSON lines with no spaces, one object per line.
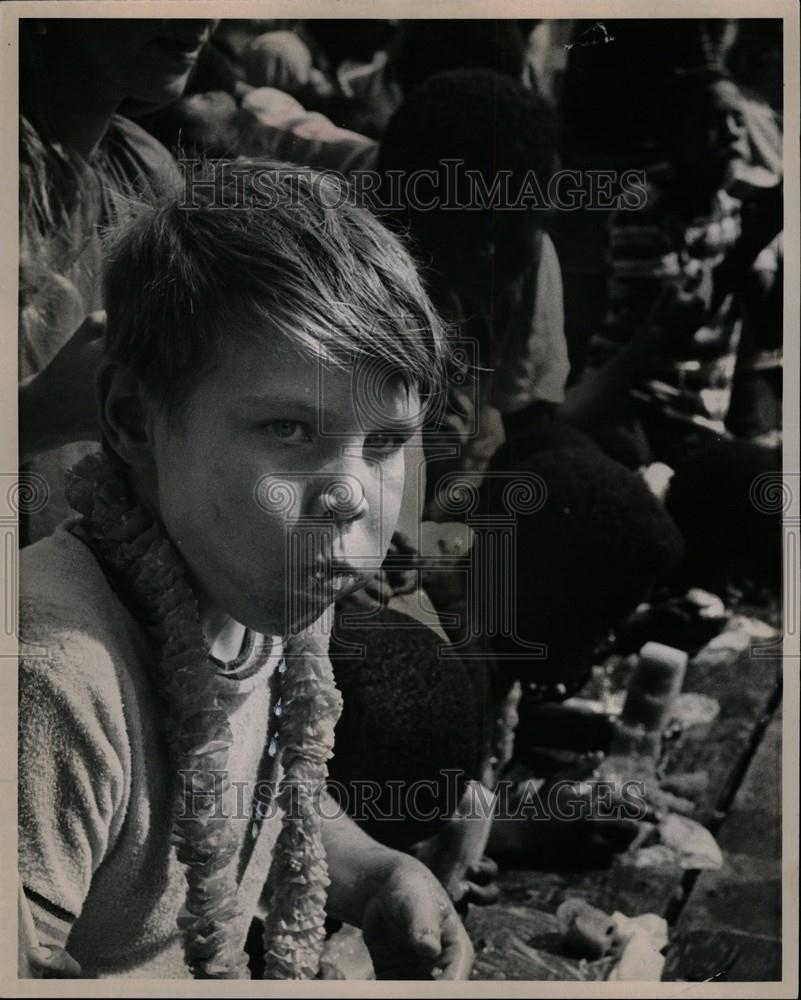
{"x":343,"y":498}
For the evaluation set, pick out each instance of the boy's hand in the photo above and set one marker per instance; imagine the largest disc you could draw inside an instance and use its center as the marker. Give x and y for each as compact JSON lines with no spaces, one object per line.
{"x":52,"y":963}
{"x":412,"y":929}
{"x":408,"y":921}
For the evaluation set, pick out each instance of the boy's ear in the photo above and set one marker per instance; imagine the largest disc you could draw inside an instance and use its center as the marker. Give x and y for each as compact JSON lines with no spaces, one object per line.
{"x":123,"y":420}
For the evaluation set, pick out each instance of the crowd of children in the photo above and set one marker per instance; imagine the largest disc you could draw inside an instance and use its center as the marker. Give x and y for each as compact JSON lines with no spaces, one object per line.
{"x":257,"y":373}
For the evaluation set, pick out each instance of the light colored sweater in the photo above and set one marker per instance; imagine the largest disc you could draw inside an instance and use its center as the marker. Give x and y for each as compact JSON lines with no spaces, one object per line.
{"x":96,"y":788}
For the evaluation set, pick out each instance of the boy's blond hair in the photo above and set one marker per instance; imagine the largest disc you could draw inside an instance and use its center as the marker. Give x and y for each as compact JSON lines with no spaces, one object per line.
{"x":248,"y":248}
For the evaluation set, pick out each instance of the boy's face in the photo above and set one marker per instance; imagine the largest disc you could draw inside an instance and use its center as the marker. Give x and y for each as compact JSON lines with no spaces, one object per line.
{"x":281,"y":482}
{"x":712,"y":135}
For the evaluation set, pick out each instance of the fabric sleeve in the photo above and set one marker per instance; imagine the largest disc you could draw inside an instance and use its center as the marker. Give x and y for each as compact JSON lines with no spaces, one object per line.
{"x":147,"y":165}
{"x":72,"y":778}
{"x":535,"y":363}
{"x":132,"y":166}
{"x":286,"y":131}
{"x":643,"y":257}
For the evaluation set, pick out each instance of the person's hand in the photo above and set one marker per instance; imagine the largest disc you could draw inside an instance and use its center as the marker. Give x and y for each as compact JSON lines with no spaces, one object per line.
{"x":279,"y":59}
{"x":51,"y":963}
{"x":398,"y":575}
{"x":680,"y":310}
{"x":762,"y":218}
{"x":376,"y":593}
{"x":35,"y":960}
{"x":412,"y":930}
{"x":58,"y":405}
{"x":479,"y":886}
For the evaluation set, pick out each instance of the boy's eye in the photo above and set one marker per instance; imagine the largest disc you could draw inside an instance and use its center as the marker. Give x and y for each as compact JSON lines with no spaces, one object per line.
{"x":291,"y":431}
{"x":384,"y":442}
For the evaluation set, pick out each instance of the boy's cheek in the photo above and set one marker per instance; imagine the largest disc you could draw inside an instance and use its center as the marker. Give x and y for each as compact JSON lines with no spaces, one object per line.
{"x":393,"y":490}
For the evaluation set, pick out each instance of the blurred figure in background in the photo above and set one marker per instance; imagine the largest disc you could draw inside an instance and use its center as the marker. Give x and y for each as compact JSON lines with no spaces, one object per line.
{"x":708,"y":395}
{"x":330,"y":66}
{"x":611,"y":114}
{"x":427,"y":47}
{"x":263,"y":93}
{"x":692,"y":237}
{"x":494,"y":274}
{"x":79,"y":163}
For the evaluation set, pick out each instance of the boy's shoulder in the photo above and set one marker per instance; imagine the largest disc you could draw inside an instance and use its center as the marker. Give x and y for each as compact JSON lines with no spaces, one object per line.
{"x":61,"y":581}
{"x":71,"y":622}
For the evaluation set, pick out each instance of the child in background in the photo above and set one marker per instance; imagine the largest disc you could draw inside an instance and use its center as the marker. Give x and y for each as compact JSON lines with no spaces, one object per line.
{"x":173,"y":637}
{"x":491,"y":268}
{"x":80,"y":162}
{"x":426,"y":47}
{"x":704,"y":228}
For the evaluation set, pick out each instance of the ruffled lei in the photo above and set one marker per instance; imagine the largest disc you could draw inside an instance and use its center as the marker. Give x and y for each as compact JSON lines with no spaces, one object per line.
{"x":137,"y":552}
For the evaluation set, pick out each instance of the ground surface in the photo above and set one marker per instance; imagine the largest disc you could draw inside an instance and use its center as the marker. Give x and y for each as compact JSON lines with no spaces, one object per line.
{"x":724,"y":925}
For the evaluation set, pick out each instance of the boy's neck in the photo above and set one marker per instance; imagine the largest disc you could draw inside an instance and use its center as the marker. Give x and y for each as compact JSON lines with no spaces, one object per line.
{"x":223,"y":635}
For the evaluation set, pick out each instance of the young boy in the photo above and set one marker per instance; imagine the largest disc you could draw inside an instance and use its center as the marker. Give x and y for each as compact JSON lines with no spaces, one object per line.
{"x":266,"y":358}
{"x":707,"y":228}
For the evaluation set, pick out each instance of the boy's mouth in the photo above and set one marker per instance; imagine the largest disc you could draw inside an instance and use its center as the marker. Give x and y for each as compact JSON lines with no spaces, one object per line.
{"x":336,"y":578}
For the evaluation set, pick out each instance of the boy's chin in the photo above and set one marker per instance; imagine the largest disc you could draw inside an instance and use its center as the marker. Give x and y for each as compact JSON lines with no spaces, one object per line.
{"x":306,"y":614}
{"x":306,"y":607}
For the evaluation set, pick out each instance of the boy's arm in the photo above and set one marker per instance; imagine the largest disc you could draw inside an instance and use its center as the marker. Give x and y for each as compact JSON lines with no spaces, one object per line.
{"x":35,"y":960}
{"x":762,"y":221}
{"x":408,"y":921}
{"x":70,"y":786}
{"x":653,"y":305}
{"x":601,"y":389}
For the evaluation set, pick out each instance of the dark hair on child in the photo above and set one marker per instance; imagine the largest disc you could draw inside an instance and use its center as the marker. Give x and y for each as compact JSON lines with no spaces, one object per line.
{"x":681,"y":90}
{"x":428,"y":47}
{"x":349,"y":38}
{"x":490,"y":122}
{"x":253,"y":249}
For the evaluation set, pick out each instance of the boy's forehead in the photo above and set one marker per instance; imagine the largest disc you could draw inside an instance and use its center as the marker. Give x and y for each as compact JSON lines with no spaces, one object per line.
{"x":278,"y":372}
{"x":372,"y":391}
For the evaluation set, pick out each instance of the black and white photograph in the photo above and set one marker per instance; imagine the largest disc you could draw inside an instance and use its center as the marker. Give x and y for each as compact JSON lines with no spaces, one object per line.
{"x":400,"y":507}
